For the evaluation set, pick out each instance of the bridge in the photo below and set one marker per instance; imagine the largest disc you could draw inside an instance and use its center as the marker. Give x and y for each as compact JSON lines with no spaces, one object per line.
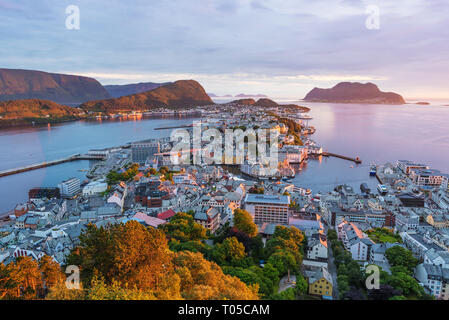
{"x":45,"y":164}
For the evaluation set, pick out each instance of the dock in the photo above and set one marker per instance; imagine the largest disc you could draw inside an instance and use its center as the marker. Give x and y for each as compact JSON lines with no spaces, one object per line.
{"x":174,"y":127}
{"x":45,"y":164}
{"x":330,"y":154}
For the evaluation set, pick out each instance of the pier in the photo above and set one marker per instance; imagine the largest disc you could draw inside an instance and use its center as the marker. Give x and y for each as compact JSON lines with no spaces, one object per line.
{"x":175,"y":127}
{"x":330,"y":154}
{"x":45,"y":164}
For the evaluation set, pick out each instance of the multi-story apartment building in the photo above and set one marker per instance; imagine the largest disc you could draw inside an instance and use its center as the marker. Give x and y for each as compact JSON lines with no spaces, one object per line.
{"x":268,"y":208}
{"x":429,"y":178}
{"x":407,"y":166}
{"x":141,"y":150}
{"x":210,"y":219}
{"x":69,"y":188}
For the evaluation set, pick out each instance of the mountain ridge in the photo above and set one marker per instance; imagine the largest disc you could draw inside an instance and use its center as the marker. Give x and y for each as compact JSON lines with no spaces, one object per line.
{"x":353,"y":92}
{"x":181,"y":93}
{"x":21,"y":84}
{"x":118,"y":90}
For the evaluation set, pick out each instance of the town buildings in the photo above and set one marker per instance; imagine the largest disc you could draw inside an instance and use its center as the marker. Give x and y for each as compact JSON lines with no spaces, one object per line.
{"x":69,"y":188}
{"x":268,"y":208}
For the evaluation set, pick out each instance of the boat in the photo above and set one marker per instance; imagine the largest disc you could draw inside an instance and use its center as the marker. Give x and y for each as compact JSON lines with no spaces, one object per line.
{"x":364,"y":188}
{"x":373,"y":171}
{"x":382,"y":188}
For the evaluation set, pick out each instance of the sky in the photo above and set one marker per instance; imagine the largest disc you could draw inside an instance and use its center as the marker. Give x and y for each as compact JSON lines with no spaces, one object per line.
{"x":281,"y":48}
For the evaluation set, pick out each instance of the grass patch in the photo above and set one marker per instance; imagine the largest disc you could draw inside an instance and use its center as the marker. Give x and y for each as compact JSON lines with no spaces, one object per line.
{"x":383,"y":235}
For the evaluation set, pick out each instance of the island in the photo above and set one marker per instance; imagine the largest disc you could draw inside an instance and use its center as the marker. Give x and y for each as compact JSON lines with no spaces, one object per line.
{"x":354,"y":92}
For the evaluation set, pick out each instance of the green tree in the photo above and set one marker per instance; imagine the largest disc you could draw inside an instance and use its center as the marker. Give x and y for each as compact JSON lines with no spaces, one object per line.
{"x":183,"y":227}
{"x":230,"y":252}
{"x":399,"y":256}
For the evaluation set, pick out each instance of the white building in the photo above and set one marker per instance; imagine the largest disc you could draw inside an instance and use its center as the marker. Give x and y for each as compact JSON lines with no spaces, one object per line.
{"x":70,"y":187}
{"x":431,"y":278}
{"x":94,"y":187}
{"x":317,"y":248}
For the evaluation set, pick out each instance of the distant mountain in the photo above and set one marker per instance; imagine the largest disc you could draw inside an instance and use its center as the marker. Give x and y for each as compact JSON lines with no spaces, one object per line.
{"x":242,"y":95}
{"x":212,"y":95}
{"x":244,"y":102}
{"x":268,"y":103}
{"x":35,"y":109}
{"x":265,"y":102}
{"x":18,"y":84}
{"x":354,"y":92}
{"x":182,"y":93}
{"x":117,"y":91}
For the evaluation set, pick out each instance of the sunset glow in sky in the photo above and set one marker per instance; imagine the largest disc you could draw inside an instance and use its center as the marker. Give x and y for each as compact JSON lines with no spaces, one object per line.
{"x":282,"y":48}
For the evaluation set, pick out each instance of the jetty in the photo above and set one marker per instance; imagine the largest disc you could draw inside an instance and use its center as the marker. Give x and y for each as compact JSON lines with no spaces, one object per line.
{"x":45,"y":164}
{"x":330,"y":154}
{"x":174,"y":127}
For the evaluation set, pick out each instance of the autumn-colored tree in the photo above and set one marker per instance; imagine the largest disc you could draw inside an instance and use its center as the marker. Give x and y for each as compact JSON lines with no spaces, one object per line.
{"x":60,"y":292}
{"x":51,"y":272}
{"x":99,"y":290}
{"x":22,"y":279}
{"x":129,"y":254}
{"x":183,"y":227}
{"x":230,"y":252}
{"x":204,"y":280}
{"x":243,"y":221}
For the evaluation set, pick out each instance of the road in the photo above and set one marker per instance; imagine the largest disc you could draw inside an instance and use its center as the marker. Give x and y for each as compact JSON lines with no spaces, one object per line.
{"x":284,"y":285}
{"x":332,"y":270}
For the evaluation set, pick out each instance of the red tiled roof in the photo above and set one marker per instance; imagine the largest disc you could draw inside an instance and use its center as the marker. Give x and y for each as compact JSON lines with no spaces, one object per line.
{"x":166,"y":214}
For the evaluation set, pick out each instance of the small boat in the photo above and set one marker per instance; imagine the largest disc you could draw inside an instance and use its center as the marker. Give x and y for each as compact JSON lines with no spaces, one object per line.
{"x":373,"y":171}
{"x":364,"y":188}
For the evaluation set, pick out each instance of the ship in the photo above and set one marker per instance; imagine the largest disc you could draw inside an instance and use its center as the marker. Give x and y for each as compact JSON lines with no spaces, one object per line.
{"x":364,"y":188}
{"x":382,"y":188}
{"x":373,"y":171}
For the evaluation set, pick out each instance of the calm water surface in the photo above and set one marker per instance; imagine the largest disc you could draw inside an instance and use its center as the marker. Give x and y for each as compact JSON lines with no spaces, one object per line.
{"x":25,"y":146}
{"x":375,"y":133}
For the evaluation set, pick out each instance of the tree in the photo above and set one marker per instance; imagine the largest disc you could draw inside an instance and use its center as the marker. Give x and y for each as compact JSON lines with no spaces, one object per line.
{"x":230,"y":252}
{"x":60,"y":292}
{"x":399,"y":256}
{"x":24,"y":278}
{"x":283,"y":261}
{"x":287,"y":294}
{"x":99,"y":290}
{"x":243,"y":221}
{"x":301,"y":285}
{"x":406,"y":284}
{"x":385,"y":292}
{"x":205,"y":280}
{"x":51,"y":272}
{"x":126,"y":253}
{"x":183,"y":227}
